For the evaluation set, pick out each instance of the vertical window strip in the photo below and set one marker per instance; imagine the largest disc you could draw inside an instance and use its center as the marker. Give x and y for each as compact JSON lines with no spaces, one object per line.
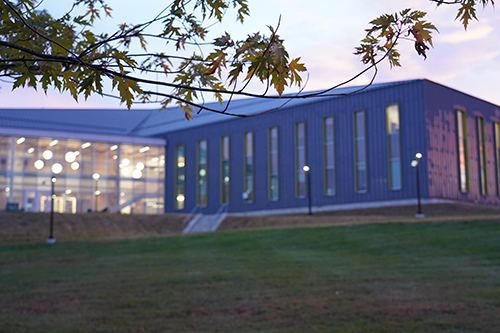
{"x":497,"y":154}
{"x":273,"y":178}
{"x":329,"y":155}
{"x":483,"y":178}
{"x":394,"y":147}
{"x":202,"y":174}
{"x":248,"y":185}
{"x":300,"y":160}
{"x":360,"y":152}
{"x":225,"y":180}
{"x":179,"y":177}
{"x":463,"y":167}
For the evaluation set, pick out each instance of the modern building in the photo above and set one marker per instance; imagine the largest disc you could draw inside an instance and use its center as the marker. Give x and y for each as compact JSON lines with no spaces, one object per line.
{"x":358,"y":147}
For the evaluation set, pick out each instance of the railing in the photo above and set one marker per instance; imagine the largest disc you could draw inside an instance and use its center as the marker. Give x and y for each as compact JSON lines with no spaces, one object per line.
{"x":191,"y":214}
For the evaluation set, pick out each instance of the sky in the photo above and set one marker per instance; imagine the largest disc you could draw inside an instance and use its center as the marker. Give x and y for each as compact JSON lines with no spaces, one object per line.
{"x":324,"y":34}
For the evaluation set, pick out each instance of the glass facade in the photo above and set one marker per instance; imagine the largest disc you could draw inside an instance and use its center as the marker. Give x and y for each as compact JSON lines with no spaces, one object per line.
{"x":91,"y":175}
{"x":360,"y":152}
{"x":393,"y":147}
{"x":300,"y":159}
{"x":179,"y":176}
{"x":202,"y":188}
{"x":273,"y":164}
{"x":481,"y":156}
{"x":248,"y":165}
{"x":463,"y":167}
{"x":329,"y":155}
{"x":224,"y":169}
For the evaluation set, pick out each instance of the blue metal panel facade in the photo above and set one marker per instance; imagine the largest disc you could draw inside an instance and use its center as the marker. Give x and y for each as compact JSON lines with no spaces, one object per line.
{"x":441,"y":105}
{"x":409,"y":97}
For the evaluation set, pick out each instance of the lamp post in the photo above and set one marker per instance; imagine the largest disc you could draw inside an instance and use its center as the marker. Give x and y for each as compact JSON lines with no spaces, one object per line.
{"x":96,"y":177}
{"x":51,"y":239}
{"x":308,"y":173}
{"x":414,"y":164}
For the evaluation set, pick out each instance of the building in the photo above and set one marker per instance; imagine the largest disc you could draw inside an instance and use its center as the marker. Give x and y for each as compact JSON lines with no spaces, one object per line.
{"x":359,"y":149}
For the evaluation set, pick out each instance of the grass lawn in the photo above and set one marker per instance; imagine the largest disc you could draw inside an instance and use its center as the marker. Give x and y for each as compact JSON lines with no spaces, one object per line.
{"x":421,"y":277}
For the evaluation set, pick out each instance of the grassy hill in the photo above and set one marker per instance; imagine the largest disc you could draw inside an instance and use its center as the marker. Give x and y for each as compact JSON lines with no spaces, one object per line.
{"x":338,"y":277}
{"x":382,"y":277}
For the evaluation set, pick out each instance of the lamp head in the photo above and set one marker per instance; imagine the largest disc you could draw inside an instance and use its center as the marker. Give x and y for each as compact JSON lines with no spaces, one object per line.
{"x":305,"y":168}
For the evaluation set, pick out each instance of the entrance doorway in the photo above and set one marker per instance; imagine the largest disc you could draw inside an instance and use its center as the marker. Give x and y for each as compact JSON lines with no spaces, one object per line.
{"x":36,"y":201}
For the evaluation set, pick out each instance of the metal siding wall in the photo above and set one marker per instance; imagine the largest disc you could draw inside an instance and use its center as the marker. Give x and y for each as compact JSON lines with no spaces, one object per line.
{"x":409,"y":97}
{"x":441,"y":106}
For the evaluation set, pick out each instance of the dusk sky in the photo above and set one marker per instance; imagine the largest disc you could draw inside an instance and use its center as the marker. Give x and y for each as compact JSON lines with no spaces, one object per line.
{"x":324,"y":33}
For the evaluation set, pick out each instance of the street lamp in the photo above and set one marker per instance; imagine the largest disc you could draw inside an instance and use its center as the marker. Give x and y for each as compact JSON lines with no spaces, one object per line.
{"x":306,"y":170}
{"x":96,"y":177}
{"x":51,"y":239}
{"x":414,"y":164}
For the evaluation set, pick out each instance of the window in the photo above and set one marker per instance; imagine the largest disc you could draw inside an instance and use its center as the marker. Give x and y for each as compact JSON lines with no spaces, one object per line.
{"x":481,"y":156}
{"x":179,"y":177}
{"x":300,"y":159}
{"x":224,"y":167}
{"x":329,"y":155}
{"x":248,"y":164}
{"x":202,"y":199}
{"x":273,"y":164}
{"x":463,"y":167}
{"x":393,"y":147}
{"x":360,"y":152}
{"x":497,"y":154}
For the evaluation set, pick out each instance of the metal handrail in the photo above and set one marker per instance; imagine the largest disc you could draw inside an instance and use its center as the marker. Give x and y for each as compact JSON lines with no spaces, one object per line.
{"x":191,"y":214}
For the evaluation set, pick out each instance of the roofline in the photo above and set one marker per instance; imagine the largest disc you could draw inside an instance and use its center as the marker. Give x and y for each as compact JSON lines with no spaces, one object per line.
{"x":15,"y":131}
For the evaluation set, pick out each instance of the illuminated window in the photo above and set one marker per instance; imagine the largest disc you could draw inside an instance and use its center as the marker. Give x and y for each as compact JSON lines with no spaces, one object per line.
{"x":329,"y":155}
{"x":360,"y":152}
{"x":201,"y":193}
{"x":497,"y":154}
{"x":393,"y":146}
{"x":300,"y":159}
{"x":273,"y":164}
{"x":248,"y":164}
{"x":481,"y":150}
{"x":179,"y":177}
{"x":224,"y":160}
{"x":463,"y":167}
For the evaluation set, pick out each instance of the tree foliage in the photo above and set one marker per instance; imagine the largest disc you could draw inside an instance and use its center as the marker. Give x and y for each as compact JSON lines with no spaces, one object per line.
{"x":66,"y":53}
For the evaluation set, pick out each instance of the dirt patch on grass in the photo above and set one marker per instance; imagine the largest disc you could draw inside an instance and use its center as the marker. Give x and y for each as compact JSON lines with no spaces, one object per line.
{"x":16,"y":228}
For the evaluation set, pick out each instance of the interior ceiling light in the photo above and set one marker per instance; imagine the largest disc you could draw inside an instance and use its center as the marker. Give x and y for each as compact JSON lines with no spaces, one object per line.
{"x":31,"y":150}
{"x":114,"y":147}
{"x":136,"y":174}
{"x":86,"y":145}
{"x":75,"y":166}
{"x":39,"y":164}
{"x":47,"y":154}
{"x":21,"y":140}
{"x":143,"y":149}
{"x":57,"y":168}
{"x":53,"y":143}
{"x":140,"y":166}
{"x":125,"y":161}
{"x":70,"y":157}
